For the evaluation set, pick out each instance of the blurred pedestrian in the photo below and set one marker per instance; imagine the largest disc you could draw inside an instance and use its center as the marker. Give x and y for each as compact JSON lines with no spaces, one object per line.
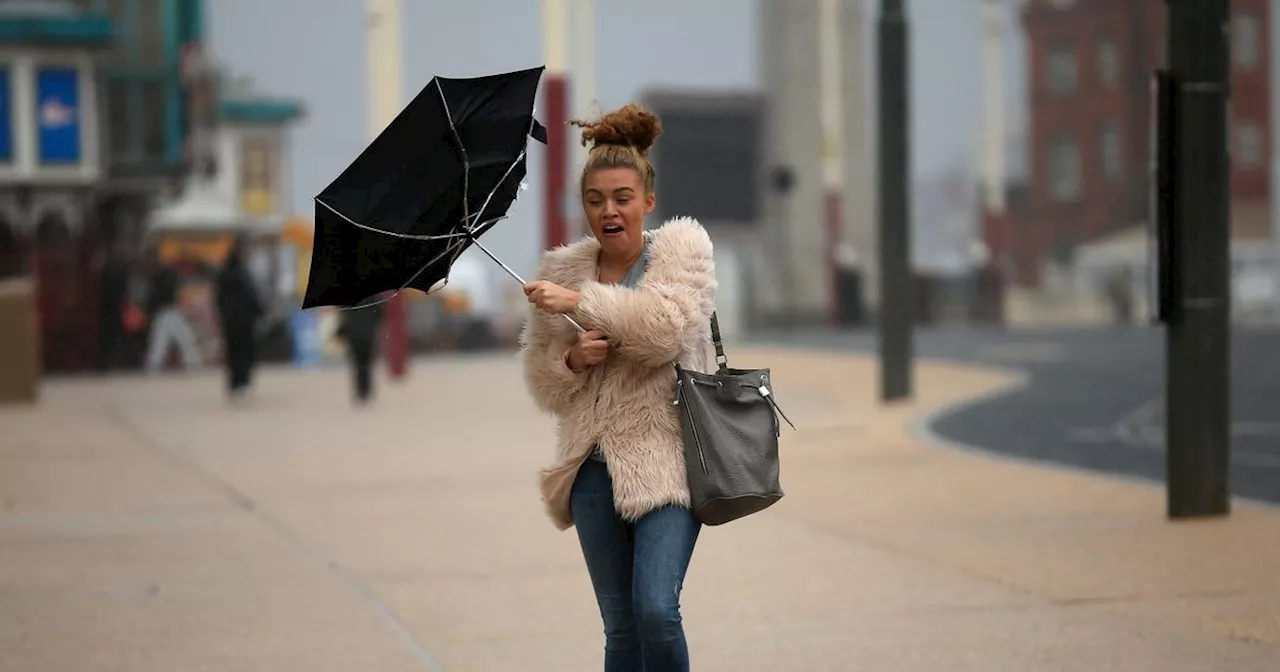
{"x":1119,"y":291}
{"x":169,"y":325}
{"x":113,"y":284}
{"x":358,"y":328}
{"x":619,"y":477}
{"x":239,"y":309}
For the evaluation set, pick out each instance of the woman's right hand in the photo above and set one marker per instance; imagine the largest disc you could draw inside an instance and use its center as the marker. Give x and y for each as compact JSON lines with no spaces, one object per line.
{"x":591,"y":349}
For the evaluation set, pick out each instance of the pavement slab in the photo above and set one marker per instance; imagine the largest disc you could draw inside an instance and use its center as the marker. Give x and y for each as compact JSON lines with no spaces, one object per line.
{"x":146,"y":524}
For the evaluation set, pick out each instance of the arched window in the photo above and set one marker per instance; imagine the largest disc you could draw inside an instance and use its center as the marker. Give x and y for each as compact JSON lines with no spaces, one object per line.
{"x":53,"y":231}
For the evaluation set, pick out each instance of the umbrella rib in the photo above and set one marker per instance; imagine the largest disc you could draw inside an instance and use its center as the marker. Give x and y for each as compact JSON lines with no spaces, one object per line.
{"x":454,"y":246}
{"x":405,"y":236}
{"x":466,"y":166}
{"x":485,"y":206}
{"x":466,"y":161}
{"x":472,"y":231}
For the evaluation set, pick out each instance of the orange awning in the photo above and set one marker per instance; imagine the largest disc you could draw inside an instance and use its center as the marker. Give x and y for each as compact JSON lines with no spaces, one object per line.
{"x":299,"y":232}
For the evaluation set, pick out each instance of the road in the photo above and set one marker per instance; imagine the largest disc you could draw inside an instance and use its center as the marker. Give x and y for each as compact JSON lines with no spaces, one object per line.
{"x":1094,"y":397}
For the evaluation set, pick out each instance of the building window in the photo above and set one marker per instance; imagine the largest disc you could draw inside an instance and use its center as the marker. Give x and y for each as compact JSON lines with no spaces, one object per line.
{"x":1064,"y":168}
{"x":6,"y":120}
{"x":1248,"y":145}
{"x":1109,"y":139}
{"x":1244,"y":40}
{"x":1062,"y":70}
{"x":1108,"y":63}
{"x":57,"y":109}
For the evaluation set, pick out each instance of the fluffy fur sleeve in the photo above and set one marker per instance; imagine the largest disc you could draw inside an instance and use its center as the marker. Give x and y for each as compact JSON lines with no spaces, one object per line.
{"x":650,"y":323}
{"x":544,"y":342}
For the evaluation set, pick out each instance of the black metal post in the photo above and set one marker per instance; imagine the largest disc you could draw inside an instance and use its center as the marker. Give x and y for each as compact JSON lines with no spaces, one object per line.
{"x":1197,"y":365}
{"x":896,"y":304}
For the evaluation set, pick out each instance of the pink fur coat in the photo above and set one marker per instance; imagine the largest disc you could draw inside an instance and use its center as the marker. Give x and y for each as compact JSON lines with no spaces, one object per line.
{"x":625,"y":403}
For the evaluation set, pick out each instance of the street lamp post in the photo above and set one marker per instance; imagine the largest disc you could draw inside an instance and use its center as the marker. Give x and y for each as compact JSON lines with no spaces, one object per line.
{"x":895,"y":319}
{"x":555,"y":99}
{"x":384,"y":74}
{"x":1273,"y":34}
{"x":1197,"y":365}
{"x":830,"y":94}
{"x":583,"y":71}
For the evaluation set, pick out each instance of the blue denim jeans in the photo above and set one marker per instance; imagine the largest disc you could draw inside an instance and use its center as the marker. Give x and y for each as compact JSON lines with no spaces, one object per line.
{"x":637,"y":570}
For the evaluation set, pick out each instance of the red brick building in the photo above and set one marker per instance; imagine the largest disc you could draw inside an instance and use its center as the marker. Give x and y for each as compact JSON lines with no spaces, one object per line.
{"x":1089,"y":66}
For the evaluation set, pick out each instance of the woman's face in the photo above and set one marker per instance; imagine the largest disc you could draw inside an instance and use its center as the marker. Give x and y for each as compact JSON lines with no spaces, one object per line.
{"x":615,"y":203}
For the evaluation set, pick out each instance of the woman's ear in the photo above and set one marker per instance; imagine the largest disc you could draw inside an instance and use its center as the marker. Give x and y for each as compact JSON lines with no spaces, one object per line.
{"x":650,"y":200}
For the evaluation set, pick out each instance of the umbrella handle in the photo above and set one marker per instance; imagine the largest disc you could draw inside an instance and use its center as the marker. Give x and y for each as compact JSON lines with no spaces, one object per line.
{"x":515,"y":275}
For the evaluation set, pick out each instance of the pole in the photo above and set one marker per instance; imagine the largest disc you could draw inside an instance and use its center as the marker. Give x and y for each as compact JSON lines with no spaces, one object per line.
{"x":994,"y":248}
{"x":830,"y":94}
{"x":556,"y":112}
{"x":584,"y":94}
{"x":993,"y":138}
{"x":384,"y":73}
{"x":858,"y":223}
{"x":1272,"y":37}
{"x":993,"y":155}
{"x":1197,"y":415}
{"x":895,"y":237}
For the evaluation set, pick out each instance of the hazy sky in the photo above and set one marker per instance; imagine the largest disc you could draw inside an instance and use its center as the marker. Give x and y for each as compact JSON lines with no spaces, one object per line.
{"x":314,"y":50}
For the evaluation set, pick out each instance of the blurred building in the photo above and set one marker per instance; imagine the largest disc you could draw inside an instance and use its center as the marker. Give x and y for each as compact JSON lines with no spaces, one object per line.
{"x":1090,"y":64}
{"x":792,"y":272}
{"x":51,"y":163}
{"x":236,"y":186}
{"x":106,"y":107}
{"x":708,"y":166}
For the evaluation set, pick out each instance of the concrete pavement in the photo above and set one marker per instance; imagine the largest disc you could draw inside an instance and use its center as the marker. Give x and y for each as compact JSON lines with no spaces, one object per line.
{"x":145,"y":525}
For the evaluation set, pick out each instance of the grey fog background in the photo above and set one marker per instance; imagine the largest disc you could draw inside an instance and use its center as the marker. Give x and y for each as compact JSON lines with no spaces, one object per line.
{"x":314,"y":50}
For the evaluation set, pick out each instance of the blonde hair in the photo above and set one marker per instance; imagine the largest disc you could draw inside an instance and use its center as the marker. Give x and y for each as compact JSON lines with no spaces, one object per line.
{"x":620,"y":139}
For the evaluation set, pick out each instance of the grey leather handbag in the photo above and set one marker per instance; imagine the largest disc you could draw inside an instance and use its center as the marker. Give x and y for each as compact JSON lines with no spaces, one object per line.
{"x":731,"y":433}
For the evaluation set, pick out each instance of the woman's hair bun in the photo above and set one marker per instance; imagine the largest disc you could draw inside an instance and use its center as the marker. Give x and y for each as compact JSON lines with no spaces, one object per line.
{"x":630,"y":125}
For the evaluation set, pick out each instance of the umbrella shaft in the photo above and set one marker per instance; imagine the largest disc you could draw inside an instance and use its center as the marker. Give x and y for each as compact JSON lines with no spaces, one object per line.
{"x":515,"y":275}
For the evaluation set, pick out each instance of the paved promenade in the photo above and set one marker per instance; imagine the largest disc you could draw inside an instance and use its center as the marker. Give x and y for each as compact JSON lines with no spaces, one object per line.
{"x":147,"y":526}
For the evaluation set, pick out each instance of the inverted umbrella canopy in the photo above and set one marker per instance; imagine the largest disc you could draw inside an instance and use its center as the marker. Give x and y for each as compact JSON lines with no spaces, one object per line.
{"x":443,"y":172}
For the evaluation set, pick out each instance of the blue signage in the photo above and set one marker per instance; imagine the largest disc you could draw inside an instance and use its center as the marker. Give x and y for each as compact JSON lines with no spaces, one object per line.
{"x":6,"y":119}
{"x":58,"y":114}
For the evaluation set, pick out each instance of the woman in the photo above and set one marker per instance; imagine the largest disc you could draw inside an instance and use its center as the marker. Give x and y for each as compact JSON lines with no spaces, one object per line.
{"x":238,"y":310}
{"x":646,"y":300}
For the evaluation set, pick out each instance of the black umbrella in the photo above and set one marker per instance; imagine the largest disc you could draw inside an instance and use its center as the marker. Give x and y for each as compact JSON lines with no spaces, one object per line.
{"x":443,"y":172}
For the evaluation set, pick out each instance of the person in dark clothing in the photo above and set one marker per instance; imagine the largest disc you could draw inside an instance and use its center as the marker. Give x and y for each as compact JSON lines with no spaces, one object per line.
{"x":164,"y":290}
{"x":113,"y":284}
{"x":239,"y":310}
{"x":359,"y":328}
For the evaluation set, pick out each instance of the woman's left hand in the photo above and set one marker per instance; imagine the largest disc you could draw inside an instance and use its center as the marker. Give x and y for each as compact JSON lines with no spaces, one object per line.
{"x":552,"y":297}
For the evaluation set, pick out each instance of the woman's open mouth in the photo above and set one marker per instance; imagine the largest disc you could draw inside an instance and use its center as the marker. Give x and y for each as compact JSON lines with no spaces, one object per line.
{"x":612,"y":230}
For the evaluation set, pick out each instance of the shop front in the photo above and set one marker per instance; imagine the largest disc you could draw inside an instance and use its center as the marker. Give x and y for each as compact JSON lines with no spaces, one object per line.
{"x":241,"y":195}
{"x":50,"y":168}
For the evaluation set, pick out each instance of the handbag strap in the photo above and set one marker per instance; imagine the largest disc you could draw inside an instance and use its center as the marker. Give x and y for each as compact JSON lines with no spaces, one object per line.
{"x":722,"y":362}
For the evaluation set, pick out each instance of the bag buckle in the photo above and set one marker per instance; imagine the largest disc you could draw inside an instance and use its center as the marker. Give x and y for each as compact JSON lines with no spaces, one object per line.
{"x":768,"y":396}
